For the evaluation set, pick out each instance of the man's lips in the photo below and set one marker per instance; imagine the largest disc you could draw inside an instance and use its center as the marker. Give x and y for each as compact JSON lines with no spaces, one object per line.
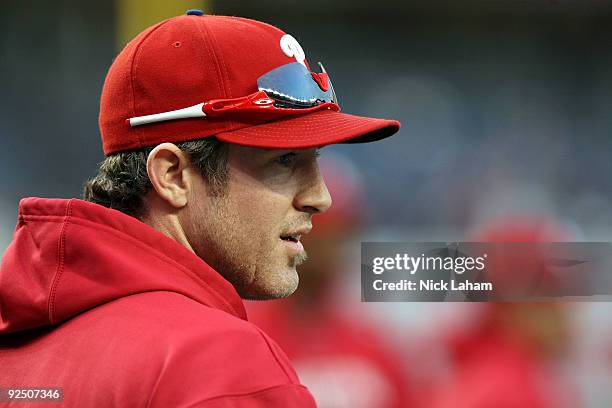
{"x":295,"y":247}
{"x":294,"y":236}
{"x":291,"y":238}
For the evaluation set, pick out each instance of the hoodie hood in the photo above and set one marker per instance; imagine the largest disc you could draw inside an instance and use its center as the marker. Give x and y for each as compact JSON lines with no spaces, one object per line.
{"x":68,"y":256}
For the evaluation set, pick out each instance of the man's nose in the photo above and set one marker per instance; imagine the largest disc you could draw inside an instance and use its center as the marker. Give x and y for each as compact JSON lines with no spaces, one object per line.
{"x":313,"y":196}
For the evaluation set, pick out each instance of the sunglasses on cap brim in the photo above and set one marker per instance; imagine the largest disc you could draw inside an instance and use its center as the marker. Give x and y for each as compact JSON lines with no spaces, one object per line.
{"x":287,"y":90}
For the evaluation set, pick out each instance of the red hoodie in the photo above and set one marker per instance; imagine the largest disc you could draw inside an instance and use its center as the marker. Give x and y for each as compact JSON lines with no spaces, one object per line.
{"x":115,"y":313}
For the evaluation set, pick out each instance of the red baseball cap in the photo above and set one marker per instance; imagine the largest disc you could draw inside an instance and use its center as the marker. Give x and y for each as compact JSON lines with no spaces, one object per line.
{"x":194,"y":58}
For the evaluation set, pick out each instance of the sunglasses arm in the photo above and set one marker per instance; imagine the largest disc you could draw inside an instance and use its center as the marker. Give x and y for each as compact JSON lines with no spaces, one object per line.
{"x":194,"y":111}
{"x":256,"y":102}
{"x":213,"y":107}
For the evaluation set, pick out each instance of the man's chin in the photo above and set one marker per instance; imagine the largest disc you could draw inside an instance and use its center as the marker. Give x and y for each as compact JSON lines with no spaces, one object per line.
{"x":281,"y":285}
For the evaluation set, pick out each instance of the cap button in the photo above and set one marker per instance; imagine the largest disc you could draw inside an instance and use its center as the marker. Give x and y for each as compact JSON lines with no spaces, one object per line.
{"x":195,"y":12}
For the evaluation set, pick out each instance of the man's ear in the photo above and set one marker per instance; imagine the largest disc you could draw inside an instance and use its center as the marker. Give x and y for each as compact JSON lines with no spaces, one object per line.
{"x":168,"y":169}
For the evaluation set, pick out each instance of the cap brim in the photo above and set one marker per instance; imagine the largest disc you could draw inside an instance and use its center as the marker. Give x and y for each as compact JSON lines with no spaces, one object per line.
{"x":315,"y":129}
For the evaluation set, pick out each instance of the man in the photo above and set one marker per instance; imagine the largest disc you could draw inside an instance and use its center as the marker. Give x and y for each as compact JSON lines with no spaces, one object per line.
{"x":511,"y":354}
{"x":210,"y":126}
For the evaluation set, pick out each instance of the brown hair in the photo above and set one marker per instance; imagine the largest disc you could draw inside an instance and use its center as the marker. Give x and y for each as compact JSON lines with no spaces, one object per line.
{"x":122,"y":180}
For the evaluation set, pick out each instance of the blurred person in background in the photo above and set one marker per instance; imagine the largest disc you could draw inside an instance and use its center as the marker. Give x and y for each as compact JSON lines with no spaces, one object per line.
{"x":339,"y":354}
{"x":512,"y":355}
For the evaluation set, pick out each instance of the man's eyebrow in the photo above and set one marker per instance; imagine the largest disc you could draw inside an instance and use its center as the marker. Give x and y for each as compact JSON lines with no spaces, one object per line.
{"x":276,"y":152}
{"x":282,"y":152}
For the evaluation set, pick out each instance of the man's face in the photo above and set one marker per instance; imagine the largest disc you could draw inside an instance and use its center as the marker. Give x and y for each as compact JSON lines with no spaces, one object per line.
{"x":250,"y":233}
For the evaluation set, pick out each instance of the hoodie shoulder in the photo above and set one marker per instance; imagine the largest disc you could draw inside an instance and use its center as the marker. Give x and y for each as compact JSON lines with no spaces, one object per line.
{"x":69,"y":256}
{"x":207,"y":354}
{"x":157,"y":349}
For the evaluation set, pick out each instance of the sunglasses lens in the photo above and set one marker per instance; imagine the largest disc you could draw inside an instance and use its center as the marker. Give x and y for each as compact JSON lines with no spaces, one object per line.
{"x":292,"y":86}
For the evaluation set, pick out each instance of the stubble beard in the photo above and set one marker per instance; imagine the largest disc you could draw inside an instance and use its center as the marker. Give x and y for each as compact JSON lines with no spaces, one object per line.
{"x":246,"y":266}
{"x":298,"y":259}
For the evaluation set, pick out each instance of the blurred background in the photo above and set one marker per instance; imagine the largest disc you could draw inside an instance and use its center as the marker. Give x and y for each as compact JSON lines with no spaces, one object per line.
{"x":504,"y":109}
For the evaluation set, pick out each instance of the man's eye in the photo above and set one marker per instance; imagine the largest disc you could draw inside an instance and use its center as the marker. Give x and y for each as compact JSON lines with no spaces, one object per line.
{"x":286,"y":160}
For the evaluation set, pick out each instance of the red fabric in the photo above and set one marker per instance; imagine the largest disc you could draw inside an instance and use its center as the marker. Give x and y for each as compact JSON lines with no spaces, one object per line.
{"x":313,"y":130}
{"x":190,"y":59}
{"x":121,"y":315}
{"x":344,"y":362}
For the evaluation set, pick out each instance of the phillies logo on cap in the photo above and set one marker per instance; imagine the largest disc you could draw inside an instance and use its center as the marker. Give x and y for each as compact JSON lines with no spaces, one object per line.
{"x":292,"y":48}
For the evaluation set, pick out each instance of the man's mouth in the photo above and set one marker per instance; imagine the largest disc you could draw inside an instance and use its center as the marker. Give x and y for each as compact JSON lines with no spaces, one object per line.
{"x":291,"y":238}
{"x":295,"y":235}
{"x":293,"y":244}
